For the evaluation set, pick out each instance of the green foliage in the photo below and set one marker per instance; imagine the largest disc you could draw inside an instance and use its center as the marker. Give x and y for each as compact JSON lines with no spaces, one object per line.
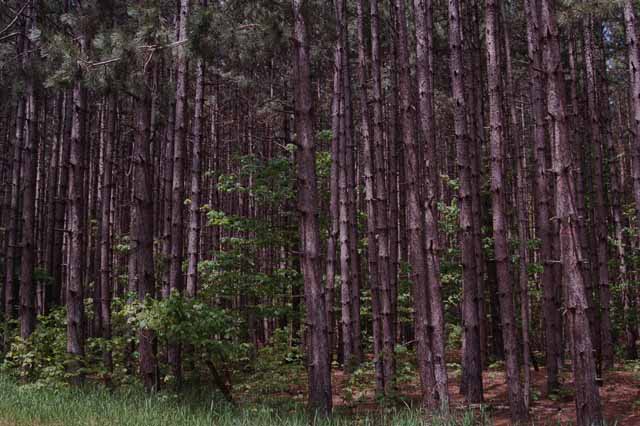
{"x":278,"y":374}
{"x":454,"y":336}
{"x":42,"y":276}
{"x":406,"y":369}
{"x":405,"y":300}
{"x":187,"y":321}
{"x":562,"y":394}
{"x":450,"y":262}
{"x":42,"y":357}
{"x":497,"y":365}
{"x":35,"y":406}
{"x":358,"y":385}
{"x":268,"y":181}
{"x":235,"y":270}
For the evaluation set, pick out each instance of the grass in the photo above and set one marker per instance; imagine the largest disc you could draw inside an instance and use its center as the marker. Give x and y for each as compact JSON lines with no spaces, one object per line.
{"x":31,"y":405}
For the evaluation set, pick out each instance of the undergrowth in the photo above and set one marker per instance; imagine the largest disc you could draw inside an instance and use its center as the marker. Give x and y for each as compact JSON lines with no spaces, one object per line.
{"x":30,"y":405}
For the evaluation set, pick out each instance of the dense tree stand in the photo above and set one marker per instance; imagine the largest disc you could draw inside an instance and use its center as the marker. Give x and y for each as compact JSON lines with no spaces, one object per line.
{"x":357,"y":204}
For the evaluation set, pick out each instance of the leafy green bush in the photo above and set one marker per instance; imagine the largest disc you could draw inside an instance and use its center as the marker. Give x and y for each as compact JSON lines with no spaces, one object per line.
{"x":43,"y":356}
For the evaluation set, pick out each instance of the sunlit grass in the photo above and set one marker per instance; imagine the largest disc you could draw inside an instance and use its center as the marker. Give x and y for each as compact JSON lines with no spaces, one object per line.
{"x":90,"y":405}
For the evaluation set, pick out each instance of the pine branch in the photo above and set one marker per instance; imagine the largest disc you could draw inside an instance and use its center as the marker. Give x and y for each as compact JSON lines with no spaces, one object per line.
{"x":15,"y":19}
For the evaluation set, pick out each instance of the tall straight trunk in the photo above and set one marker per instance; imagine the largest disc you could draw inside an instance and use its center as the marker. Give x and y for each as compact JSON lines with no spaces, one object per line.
{"x":623,"y":277}
{"x":523,"y":267}
{"x":522,"y":207}
{"x":12,"y":255}
{"x":381,"y":205}
{"x":580,"y":145}
{"x":600,"y":207}
{"x":541,"y":183}
{"x":62,"y":204}
{"x":14,"y":214}
{"x":634,"y":98}
{"x":348,"y":355}
{"x":634,"y":80}
{"x":318,"y":365}
{"x":394,"y":154}
{"x":194,"y":206}
{"x":28,"y":190}
{"x":29,"y":162}
{"x":167,"y":188}
{"x":369,"y":167}
{"x":91,"y":195}
{"x":475,"y":82}
{"x":471,"y":362}
{"x":613,"y":157}
{"x":415,"y":221}
{"x":501,"y":249}
{"x":339,"y":123}
{"x":52,"y":201}
{"x":423,"y":10}
{"x":176,"y":281}
{"x":352,"y":219}
{"x":141,"y":270}
{"x":76,"y":263}
{"x":332,"y":240}
{"x":44,"y":181}
{"x":587,"y":397}
{"x":108,"y":137}
{"x":585,"y":195}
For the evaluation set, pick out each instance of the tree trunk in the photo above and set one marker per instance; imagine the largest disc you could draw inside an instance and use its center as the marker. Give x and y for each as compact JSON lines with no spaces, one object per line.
{"x":319,"y":367}
{"x":52,"y":202}
{"x":634,"y":96}
{"x":12,"y":255}
{"x":176,"y":282}
{"x":352,"y":190}
{"x":141,"y":270}
{"x":381,"y":204}
{"x":415,"y":220}
{"x":373,"y":251}
{"x":550,"y":310}
{"x":423,"y":10}
{"x":194,"y":205}
{"x":471,"y":362}
{"x":587,"y":397}
{"x":108,"y":137}
{"x":334,"y":213}
{"x":501,"y":249}
{"x":346,"y":277}
{"x":394,"y":154}
{"x":76,"y":223}
{"x":28,"y":190}
{"x":522,"y":207}
{"x":474,"y":80}
{"x":600,"y":208}
{"x":343,"y":195}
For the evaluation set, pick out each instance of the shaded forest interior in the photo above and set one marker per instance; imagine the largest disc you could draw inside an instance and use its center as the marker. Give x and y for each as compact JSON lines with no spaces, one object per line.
{"x":363,"y":204}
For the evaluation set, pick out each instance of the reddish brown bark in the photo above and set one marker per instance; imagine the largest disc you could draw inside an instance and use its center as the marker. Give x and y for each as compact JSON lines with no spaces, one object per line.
{"x":319,"y":368}
{"x":471,"y":362}
{"x":600,"y":207}
{"x":176,"y":279}
{"x":587,"y":397}
{"x":106,"y":291}
{"x":424,"y":70}
{"x":541,"y":197}
{"x":501,"y":249}
{"x":76,"y":223}
{"x":415,"y":220}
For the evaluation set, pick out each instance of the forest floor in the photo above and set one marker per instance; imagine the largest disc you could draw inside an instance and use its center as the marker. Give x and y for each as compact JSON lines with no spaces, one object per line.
{"x":619,"y":393}
{"x":35,"y":405}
